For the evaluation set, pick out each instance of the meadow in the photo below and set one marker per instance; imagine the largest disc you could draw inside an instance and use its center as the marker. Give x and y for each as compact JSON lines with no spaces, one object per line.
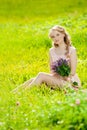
{"x":24,"y":51}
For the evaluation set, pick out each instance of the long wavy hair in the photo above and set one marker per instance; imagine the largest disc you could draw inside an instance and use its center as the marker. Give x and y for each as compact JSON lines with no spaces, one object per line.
{"x":66,"y":37}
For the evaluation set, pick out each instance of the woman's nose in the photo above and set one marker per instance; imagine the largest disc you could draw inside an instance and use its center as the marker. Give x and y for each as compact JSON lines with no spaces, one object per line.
{"x":55,"y":40}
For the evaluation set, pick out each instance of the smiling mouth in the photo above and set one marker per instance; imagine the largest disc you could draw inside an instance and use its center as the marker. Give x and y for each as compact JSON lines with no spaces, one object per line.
{"x":56,"y":44}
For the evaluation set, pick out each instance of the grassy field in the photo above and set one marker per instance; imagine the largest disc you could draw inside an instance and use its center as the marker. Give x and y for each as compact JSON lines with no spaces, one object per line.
{"x":24,"y":47}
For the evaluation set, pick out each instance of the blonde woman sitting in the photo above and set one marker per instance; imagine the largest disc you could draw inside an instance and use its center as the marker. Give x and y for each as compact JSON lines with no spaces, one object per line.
{"x":61,"y":48}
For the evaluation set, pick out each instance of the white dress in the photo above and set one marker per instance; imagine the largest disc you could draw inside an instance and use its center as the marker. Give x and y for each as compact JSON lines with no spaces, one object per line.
{"x":61,"y":79}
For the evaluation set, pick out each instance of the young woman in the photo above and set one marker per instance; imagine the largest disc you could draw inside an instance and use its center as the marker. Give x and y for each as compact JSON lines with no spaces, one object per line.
{"x":61,"y":48}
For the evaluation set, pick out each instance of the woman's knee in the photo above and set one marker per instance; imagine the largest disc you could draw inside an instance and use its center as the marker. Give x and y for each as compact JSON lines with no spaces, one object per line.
{"x":41,"y":74}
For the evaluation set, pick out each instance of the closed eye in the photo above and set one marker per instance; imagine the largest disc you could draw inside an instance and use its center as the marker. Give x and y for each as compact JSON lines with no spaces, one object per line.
{"x":57,"y":34}
{"x":52,"y":36}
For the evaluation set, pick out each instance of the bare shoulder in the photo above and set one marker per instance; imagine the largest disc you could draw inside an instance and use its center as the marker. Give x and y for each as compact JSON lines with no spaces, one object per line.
{"x":72,"y":49}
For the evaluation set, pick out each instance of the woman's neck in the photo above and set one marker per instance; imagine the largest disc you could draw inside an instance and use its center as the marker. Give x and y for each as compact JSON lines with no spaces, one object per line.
{"x":61,"y":46}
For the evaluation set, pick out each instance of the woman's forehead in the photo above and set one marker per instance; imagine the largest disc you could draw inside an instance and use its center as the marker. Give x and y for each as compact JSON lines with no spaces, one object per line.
{"x":53,"y":32}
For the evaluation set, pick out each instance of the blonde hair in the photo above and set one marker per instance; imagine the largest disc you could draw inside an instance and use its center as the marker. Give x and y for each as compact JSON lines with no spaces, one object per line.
{"x":66,"y":37}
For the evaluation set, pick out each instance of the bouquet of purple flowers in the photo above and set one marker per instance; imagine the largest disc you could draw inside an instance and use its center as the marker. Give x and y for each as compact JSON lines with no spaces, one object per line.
{"x":61,"y":67}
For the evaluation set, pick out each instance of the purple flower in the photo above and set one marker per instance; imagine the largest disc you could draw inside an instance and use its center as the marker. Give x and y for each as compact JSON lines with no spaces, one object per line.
{"x":61,"y":67}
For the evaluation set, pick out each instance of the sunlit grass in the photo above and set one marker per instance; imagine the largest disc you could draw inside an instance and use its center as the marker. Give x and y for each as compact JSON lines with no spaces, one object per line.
{"x":24,"y":51}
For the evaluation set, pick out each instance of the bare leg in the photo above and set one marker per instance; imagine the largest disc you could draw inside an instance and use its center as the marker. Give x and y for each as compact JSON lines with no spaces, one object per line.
{"x":49,"y":79}
{"x":24,"y":85}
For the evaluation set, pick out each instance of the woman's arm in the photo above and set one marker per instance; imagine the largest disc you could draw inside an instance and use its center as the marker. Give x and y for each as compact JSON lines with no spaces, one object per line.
{"x":73,"y":64}
{"x":50,"y":61}
{"x":73,"y":59}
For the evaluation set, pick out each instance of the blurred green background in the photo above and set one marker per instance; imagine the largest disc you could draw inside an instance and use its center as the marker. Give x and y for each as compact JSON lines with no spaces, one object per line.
{"x":40,"y":8}
{"x":24,"y":51}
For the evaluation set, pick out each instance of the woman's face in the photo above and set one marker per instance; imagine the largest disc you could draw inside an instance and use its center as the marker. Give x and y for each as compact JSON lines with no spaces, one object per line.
{"x":57,"y":37}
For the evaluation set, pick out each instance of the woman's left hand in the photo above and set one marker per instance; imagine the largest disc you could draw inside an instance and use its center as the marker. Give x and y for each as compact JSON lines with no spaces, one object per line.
{"x":67,"y":79}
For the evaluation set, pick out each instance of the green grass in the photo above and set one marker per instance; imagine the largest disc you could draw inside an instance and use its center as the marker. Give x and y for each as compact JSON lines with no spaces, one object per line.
{"x":24,"y":47}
